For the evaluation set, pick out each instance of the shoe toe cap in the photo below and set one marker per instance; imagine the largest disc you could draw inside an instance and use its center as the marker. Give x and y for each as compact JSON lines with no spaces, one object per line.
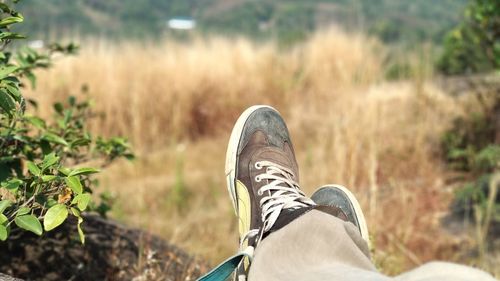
{"x":267,"y":122}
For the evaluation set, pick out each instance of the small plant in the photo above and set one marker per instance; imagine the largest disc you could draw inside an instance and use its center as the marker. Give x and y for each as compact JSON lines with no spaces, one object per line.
{"x":46,"y":165}
{"x":472,"y":146}
{"x":474,"y":45}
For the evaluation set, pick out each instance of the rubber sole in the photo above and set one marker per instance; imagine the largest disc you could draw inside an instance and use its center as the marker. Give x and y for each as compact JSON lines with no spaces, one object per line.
{"x":232,"y":152}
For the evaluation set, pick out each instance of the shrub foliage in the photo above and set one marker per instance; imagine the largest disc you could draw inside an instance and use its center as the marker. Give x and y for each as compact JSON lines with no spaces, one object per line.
{"x":472,"y":146}
{"x":474,"y":46}
{"x":45,"y":170}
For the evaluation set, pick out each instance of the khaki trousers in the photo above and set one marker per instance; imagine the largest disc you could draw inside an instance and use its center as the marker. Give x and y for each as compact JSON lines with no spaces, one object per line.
{"x":320,"y":247}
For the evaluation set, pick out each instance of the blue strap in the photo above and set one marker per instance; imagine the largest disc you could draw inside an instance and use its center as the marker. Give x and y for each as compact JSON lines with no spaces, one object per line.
{"x":224,"y":270}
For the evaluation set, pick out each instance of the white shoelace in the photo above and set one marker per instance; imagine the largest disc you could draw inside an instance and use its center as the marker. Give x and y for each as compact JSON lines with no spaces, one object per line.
{"x":284,"y":192}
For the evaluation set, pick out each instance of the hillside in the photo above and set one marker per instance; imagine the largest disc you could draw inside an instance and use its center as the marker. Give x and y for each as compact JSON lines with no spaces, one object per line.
{"x":394,"y":21}
{"x":177,"y":103}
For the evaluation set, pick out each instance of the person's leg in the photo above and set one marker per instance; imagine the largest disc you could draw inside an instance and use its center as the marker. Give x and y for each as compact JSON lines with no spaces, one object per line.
{"x":444,"y":271}
{"x":262,"y":177}
{"x":319,"y":246}
{"x":294,"y":237}
{"x":316,"y":246}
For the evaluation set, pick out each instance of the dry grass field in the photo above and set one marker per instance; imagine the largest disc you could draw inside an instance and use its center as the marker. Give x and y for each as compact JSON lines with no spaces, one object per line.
{"x":177,"y":103}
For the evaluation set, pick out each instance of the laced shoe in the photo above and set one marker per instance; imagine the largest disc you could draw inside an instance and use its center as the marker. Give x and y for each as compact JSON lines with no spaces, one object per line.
{"x":340,"y":197}
{"x":262,"y":175}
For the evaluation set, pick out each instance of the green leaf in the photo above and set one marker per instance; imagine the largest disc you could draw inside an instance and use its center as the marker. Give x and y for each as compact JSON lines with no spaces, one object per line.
{"x":11,"y":35}
{"x":68,"y":114}
{"x":47,"y":178}
{"x":4,"y":204}
{"x":74,"y":183}
{"x":82,"y":201}
{"x":75,"y":212}
{"x":23,"y":211}
{"x":32,"y":78}
{"x":14,"y":92}
{"x":5,"y":8}
{"x":72,"y":100}
{"x":12,"y":79}
{"x":64,"y":171}
{"x":35,"y":121}
{"x":30,"y":223}
{"x":51,"y":202}
{"x":49,"y":160}
{"x":22,"y":138}
{"x":6,"y":102}
{"x":12,"y":184}
{"x":55,"y":216}
{"x":33,"y":168}
{"x":83,"y":171}
{"x":6,"y":159}
{"x":10,"y":20}
{"x":3,"y":219}
{"x":7,"y":70}
{"x":50,"y":137}
{"x":3,"y":233}
{"x":80,"y":142}
{"x":80,"y":231}
{"x":58,"y":107}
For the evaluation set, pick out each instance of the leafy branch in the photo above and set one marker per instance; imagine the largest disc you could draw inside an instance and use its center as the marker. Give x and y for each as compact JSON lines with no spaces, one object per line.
{"x":43,"y":176}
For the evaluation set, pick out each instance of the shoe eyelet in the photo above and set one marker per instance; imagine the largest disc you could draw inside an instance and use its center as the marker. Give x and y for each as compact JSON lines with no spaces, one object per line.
{"x":259,"y":192}
{"x":257,"y":178}
{"x":258,"y":166}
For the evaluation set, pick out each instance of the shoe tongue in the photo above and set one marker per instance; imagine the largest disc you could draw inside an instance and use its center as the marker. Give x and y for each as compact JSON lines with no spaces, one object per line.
{"x":276,"y":156}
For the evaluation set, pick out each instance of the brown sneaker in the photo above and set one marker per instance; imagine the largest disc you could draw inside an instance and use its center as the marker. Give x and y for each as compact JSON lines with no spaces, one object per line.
{"x":334,"y":195}
{"x":262,"y":173}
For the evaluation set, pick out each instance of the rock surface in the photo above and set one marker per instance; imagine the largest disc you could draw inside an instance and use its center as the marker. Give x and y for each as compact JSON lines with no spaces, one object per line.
{"x":111,"y":252}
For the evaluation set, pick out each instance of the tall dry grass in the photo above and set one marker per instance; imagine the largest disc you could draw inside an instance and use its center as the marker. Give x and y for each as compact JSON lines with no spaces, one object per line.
{"x":177,"y":103}
{"x":172,"y":90}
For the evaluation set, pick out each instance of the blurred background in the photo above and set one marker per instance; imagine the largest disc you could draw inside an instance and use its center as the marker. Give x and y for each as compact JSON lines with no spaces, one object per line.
{"x":398,"y":100}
